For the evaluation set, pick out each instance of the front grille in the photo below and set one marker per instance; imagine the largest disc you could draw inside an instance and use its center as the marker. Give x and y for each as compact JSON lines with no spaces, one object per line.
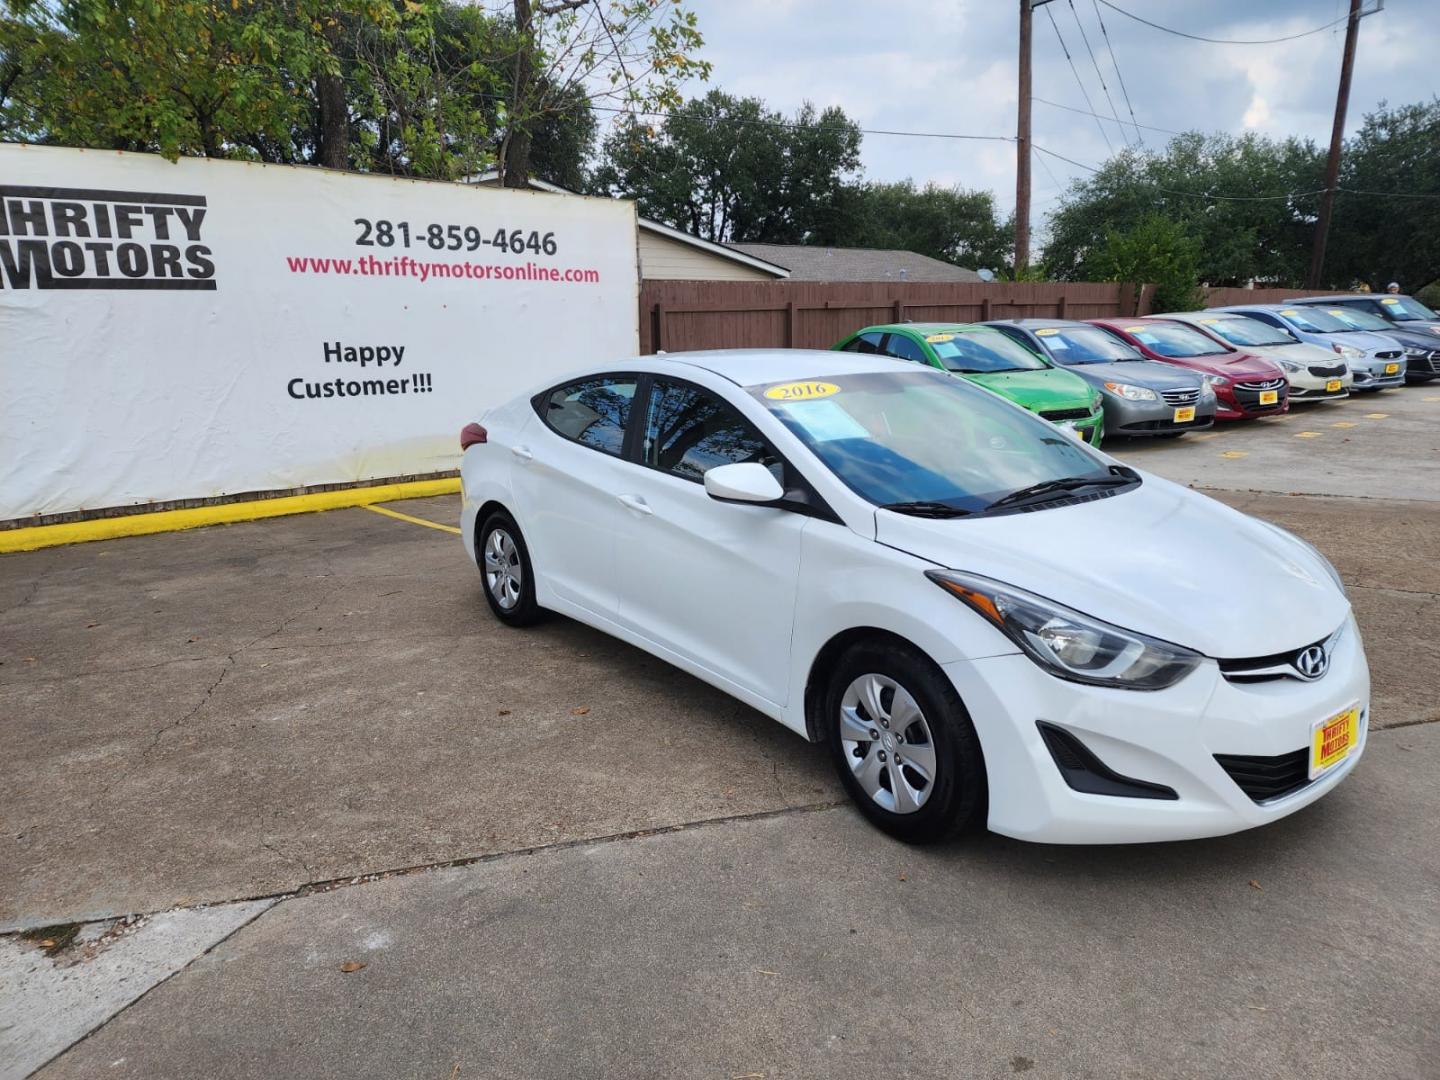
{"x":1268,"y":384}
{"x":1266,"y":778}
{"x":1390,"y":354}
{"x":1181,"y":397}
{"x":1253,"y":669}
{"x":1322,"y":372}
{"x":1066,"y":414}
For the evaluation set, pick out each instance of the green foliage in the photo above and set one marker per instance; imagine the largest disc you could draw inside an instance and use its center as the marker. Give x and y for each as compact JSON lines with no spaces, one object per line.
{"x":728,"y":168}
{"x":1158,"y":251}
{"x":1253,"y":236}
{"x":1379,"y":240}
{"x":950,"y":224}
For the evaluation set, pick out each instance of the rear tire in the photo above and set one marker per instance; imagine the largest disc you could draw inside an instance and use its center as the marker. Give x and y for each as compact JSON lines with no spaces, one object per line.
{"x":903,"y":743}
{"x":505,"y":570}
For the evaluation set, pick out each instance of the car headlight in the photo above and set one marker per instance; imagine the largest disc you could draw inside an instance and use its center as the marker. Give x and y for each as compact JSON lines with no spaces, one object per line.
{"x":1329,"y":569}
{"x":1347,"y":351}
{"x":1132,"y":393}
{"x":1414,"y":352}
{"x":1289,"y":365}
{"x":1206,"y":390}
{"x":1215,"y":380}
{"x":1066,"y":643}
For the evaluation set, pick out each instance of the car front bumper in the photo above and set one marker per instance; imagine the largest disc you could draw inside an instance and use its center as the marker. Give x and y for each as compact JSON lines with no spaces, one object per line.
{"x":1372,"y":374}
{"x":1169,"y":737}
{"x":1125,"y":417}
{"x":1314,"y":383}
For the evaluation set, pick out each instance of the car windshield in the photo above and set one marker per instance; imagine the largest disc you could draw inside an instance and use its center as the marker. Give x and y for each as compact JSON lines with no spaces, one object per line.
{"x":1357,"y":319}
{"x":981,"y":352}
{"x":1315,"y":320}
{"x":1407,"y":309}
{"x":1175,"y":339}
{"x":1072,"y":345}
{"x":1239,"y":330}
{"x":920,"y":442}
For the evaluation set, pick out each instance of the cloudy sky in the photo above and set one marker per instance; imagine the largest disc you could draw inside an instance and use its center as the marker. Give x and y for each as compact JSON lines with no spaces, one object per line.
{"x":950,"y":66}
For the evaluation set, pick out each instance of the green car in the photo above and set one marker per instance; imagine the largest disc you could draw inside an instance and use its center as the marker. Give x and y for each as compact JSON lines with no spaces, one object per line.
{"x":995,"y":361}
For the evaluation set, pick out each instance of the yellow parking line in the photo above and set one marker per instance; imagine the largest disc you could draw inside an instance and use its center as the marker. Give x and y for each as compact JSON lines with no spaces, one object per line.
{"x":413,"y":520}
{"x":1344,"y":424}
{"x":1376,"y":415}
{"x":1234,"y":453}
{"x":1307,"y":434}
{"x":1432,"y":397}
{"x":1203,"y":435}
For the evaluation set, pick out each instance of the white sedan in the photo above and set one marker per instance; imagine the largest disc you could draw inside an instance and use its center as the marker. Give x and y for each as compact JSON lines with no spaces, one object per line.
{"x":986,"y":621}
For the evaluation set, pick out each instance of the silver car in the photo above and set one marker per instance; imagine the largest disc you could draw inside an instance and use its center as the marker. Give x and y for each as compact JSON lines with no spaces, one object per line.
{"x":1376,"y":361}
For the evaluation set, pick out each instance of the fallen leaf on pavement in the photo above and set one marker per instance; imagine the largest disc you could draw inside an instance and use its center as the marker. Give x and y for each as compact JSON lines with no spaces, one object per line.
{"x":580,"y":710}
{"x":762,"y":971}
{"x":1255,"y":884}
{"x":91,"y":625}
{"x":351,"y":965}
{"x":1258,"y":1008}
{"x":904,"y":878}
{"x":502,"y":712}
{"x":47,"y":943}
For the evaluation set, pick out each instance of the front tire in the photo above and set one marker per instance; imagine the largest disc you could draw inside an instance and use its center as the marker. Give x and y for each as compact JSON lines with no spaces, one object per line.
{"x":903,"y":743}
{"x":506,"y":571}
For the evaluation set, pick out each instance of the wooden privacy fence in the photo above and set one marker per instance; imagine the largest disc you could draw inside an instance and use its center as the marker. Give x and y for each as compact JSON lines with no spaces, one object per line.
{"x":676,"y":316}
{"x":1226,"y":296}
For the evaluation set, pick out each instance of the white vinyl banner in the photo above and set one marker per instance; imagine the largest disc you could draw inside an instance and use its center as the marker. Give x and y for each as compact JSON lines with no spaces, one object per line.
{"x":208,"y":328}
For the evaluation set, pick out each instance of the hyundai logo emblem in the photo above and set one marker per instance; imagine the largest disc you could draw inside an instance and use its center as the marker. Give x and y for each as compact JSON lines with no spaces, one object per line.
{"x":1312,"y":662}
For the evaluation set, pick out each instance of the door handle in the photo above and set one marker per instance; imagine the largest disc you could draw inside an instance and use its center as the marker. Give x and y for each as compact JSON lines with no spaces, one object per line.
{"x":522,"y":452}
{"x":636,"y":503}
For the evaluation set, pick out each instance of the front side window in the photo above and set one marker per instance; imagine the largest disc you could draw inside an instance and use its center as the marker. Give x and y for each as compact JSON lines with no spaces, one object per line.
{"x":1176,"y":340}
{"x":918,"y":441}
{"x":592,"y":412}
{"x":903,"y":348}
{"x":689,"y":431}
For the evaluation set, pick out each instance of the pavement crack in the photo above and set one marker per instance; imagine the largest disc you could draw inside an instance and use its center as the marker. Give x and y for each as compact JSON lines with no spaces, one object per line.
{"x":209,"y":692}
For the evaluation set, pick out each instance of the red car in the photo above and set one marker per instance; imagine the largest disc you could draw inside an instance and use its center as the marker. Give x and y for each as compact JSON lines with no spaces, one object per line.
{"x":1245,"y":385}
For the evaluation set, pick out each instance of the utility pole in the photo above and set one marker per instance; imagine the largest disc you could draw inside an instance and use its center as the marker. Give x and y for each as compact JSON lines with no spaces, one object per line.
{"x":1337,"y":133}
{"x":1022,"y":142}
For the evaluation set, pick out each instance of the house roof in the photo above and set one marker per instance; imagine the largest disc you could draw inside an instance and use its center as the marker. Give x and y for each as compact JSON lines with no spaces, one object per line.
{"x":815,"y":263}
{"x":758,"y":262}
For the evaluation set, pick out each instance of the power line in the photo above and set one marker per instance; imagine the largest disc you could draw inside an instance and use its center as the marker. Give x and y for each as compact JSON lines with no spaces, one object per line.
{"x":1221,"y":41}
{"x":1118,"y":73}
{"x":1096,"y":64}
{"x":1082,"y":112}
{"x":1078,"y":82}
{"x":1187,"y":194}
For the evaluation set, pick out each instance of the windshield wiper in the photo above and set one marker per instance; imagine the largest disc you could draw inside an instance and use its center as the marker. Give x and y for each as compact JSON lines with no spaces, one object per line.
{"x":1122,"y":477}
{"x":926,"y":508}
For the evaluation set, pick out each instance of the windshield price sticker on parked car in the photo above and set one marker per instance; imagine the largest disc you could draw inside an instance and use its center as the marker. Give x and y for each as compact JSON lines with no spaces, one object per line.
{"x":801,"y":391}
{"x":935,"y":339}
{"x":1134,"y":329}
{"x":1289,"y":311}
{"x":825,"y":421}
{"x":1390,"y":301}
{"x":1208,"y":322}
{"x":1047,"y":331}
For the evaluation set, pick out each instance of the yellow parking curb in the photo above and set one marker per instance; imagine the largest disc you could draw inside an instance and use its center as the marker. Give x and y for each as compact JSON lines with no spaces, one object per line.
{"x":78,"y":532}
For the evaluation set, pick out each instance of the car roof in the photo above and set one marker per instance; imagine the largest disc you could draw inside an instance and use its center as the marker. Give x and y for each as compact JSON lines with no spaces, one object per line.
{"x":1036,"y":324}
{"x":927,"y":327}
{"x":754,"y":367}
{"x":1334,"y":298}
{"x":1208,"y":313}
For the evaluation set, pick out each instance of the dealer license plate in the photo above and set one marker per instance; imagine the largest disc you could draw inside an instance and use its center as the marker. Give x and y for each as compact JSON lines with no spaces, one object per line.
{"x":1185,"y":415}
{"x":1332,"y":740}
{"x":1333,"y":385}
{"x":1390,"y":369}
{"x":1269,"y":397}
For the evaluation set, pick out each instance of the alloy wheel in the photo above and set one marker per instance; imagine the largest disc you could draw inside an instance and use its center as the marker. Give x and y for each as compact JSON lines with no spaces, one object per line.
{"x":504,"y":576}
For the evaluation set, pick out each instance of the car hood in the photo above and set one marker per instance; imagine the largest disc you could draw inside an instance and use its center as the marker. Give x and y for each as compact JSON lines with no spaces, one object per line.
{"x":1301,"y":353}
{"x":1368,"y":340}
{"x":1140,"y":373}
{"x":1412,"y":338}
{"x":1237,"y":366}
{"x":1047,"y":389}
{"x":1159,"y":558}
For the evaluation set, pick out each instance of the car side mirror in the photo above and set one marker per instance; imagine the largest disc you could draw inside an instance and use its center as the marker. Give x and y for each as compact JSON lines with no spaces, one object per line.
{"x":745,"y":481}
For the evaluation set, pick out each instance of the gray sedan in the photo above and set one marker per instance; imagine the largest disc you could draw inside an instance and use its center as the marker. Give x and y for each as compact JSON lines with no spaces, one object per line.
{"x":1376,"y":360}
{"x":1140,"y":396}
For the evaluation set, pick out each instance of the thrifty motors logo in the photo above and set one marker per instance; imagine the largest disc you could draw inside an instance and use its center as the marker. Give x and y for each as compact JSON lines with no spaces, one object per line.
{"x":79,"y":238}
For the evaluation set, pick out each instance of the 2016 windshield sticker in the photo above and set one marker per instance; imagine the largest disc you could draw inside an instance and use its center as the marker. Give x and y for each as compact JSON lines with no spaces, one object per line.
{"x":1208,"y":322}
{"x":1390,"y":301}
{"x":1289,"y":311}
{"x":801,"y":391}
{"x":1133,"y":329}
{"x":1047,"y":331}
{"x":935,"y":339}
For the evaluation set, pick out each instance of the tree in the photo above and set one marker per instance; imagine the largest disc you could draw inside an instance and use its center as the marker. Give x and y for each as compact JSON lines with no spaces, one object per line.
{"x":951,"y":224}
{"x":1236,"y":196}
{"x":1155,"y":250}
{"x":620,"y":54}
{"x":1376,"y":238}
{"x":727,"y":168}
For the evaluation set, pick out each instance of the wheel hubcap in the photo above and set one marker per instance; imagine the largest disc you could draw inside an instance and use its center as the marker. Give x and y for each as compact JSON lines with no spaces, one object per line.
{"x":503,"y":574}
{"x":888,"y":744}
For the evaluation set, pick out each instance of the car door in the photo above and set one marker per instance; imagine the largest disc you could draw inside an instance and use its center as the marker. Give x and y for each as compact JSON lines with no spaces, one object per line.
{"x":566,"y":474}
{"x":714,"y":582}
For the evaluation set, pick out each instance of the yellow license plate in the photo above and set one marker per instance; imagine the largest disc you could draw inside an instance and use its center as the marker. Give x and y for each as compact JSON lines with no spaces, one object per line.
{"x":1333,"y":385}
{"x":1269,"y":397}
{"x":1185,"y":415}
{"x":1332,"y":740}
{"x":1390,"y":369}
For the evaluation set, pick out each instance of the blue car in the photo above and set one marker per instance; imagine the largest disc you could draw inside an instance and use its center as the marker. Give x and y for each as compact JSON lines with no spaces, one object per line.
{"x":1403,"y":318}
{"x":1377,"y":361}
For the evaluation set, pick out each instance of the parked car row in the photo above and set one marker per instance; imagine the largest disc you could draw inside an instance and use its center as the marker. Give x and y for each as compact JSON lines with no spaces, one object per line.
{"x":1163,"y":375}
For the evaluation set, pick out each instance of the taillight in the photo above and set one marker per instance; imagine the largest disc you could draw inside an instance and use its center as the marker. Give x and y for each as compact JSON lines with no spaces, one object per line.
{"x":471,"y":434}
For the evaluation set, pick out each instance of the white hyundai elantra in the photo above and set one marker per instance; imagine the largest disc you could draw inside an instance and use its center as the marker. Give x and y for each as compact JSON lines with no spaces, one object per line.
{"x":986,"y":621}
